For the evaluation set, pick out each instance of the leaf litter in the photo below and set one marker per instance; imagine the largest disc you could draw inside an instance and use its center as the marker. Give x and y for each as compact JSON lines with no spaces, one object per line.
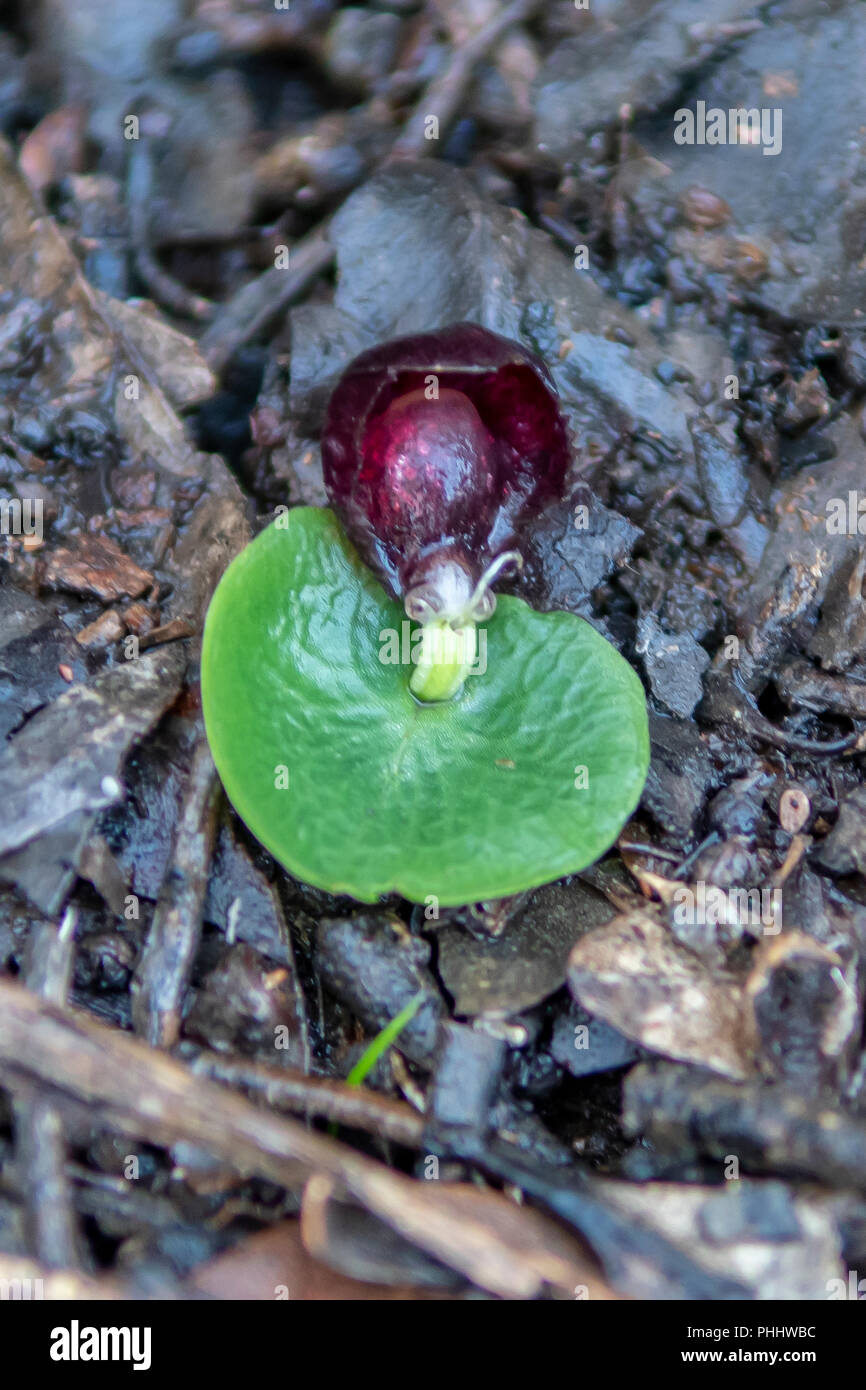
{"x":597,"y":1044}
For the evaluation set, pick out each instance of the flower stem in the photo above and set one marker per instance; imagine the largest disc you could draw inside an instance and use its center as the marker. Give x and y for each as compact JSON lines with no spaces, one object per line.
{"x":444,"y":658}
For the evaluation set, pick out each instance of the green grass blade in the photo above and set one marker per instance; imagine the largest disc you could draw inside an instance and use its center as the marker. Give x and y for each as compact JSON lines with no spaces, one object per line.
{"x":382,"y":1041}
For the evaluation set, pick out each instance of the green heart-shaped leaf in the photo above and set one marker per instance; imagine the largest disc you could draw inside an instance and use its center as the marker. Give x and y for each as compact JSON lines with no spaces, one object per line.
{"x":357,"y":788}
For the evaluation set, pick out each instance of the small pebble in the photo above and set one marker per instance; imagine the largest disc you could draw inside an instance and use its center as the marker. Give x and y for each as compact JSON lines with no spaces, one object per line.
{"x":701,"y":208}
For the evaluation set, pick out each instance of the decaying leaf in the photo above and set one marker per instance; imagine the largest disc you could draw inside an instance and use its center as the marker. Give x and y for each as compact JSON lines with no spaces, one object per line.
{"x":633,"y":975}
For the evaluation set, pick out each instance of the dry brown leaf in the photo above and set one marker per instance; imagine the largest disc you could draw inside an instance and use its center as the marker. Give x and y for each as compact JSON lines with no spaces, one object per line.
{"x":633,"y":975}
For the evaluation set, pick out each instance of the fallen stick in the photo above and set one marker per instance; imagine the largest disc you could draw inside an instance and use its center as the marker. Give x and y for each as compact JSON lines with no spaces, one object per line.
{"x":442,"y":97}
{"x":258,"y":304}
{"x":511,"y":1251}
{"x":40,"y":1141}
{"x":163,"y":973}
{"x":771,"y":1128}
{"x":318,"y":1097}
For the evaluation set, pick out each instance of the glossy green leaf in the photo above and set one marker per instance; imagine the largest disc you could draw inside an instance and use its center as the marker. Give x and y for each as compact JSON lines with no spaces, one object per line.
{"x":527,"y":775}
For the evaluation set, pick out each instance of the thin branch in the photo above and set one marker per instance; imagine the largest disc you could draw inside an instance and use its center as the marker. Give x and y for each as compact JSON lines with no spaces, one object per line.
{"x":124,"y":1085}
{"x":444,"y":94}
{"x":258,"y":304}
{"x":317,"y":1097}
{"x":40,"y":1143}
{"x":167,"y":291}
{"x":163,"y":973}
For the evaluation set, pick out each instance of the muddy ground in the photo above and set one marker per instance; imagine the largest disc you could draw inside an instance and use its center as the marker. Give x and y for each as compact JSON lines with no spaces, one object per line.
{"x":646,"y":1080}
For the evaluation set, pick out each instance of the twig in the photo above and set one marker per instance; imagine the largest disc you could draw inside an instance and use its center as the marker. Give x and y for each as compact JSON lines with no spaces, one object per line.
{"x":782,"y":1132}
{"x":796,"y":849}
{"x":41,"y":1147}
{"x":50,"y":958}
{"x":254,"y":307}
{"x":165,"y":289}
{"x":317,"y":1097}
{"x":258,"y":304}
{"x":444,"y":94}
{"x":127,"y":1086}
{"x":162,"y":975}
{"x":801,"y":684}
{"x":755,"y":723}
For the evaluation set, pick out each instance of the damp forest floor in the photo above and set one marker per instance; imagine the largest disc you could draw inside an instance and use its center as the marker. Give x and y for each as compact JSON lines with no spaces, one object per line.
{"x":206,"y":210}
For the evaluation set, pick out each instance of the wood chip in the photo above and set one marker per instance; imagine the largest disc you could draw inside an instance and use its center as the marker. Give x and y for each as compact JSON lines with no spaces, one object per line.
{"x":102,"y":632}
{"x":96,"y":565}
